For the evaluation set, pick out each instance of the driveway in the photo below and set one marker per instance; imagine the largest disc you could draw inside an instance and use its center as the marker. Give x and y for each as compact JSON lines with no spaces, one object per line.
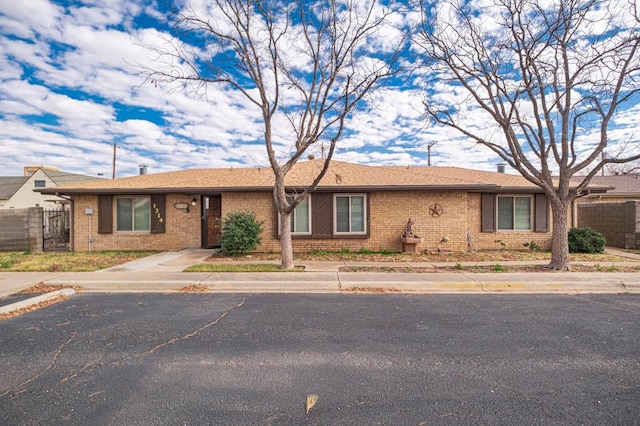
{"x":371,"y":359}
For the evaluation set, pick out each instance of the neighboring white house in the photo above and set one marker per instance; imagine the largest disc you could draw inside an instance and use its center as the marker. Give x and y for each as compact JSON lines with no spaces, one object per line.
{"x":17,"y":192}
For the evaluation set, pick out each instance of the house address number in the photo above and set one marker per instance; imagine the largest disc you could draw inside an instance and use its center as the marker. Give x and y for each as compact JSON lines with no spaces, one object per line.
{"x":156,"y":210}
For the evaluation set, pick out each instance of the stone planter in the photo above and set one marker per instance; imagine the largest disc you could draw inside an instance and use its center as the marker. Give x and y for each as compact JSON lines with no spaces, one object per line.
{"x":409,"y":244}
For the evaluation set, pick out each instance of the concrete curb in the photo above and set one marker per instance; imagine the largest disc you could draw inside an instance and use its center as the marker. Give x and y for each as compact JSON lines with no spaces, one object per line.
{"x":35,"y":300}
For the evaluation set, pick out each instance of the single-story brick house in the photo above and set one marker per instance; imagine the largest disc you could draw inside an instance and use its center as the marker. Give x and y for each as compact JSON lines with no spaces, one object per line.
{"x":355,"y":206}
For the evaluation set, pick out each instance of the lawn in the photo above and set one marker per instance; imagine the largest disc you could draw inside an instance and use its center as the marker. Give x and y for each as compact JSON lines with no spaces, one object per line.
{"x":66,"y":261}
{"x":239,"y":267}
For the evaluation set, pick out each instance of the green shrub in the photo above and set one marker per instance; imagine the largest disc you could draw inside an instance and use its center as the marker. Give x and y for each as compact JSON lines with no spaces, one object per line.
{"x":585,"y":240}
{"x":240,"y":232}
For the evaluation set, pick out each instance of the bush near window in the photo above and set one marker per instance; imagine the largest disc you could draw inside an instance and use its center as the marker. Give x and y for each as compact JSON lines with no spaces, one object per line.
{"x":585,"y":240}
{"x":240,"y":232}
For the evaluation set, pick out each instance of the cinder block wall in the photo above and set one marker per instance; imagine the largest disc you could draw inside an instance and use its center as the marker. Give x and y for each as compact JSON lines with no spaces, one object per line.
{"x":619,"y":223}
{"x":21,"y":229}
{"x":182,"y":229}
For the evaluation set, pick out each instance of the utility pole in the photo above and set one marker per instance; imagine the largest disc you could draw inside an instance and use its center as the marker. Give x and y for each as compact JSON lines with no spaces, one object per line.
{"x":429,"y":152}
{"x":113,"y":176}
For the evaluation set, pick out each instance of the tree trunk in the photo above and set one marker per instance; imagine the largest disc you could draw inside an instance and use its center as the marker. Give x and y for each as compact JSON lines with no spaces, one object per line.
{"x":286,"y":249}
{"x":560,"y":240}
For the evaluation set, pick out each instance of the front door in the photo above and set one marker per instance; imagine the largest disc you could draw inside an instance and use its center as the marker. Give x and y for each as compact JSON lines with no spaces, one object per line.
{"x":211,"y":214}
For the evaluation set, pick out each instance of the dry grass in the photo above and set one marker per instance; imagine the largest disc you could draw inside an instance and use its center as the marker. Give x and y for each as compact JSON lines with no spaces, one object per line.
{"x":232,"y":266}
{"x":66,"y":261}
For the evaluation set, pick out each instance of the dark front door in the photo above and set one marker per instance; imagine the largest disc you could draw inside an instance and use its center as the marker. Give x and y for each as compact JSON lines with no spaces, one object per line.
{"x":212,"y":212}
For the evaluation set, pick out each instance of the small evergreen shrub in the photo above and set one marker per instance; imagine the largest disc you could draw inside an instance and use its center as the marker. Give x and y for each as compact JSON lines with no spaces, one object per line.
{"x":240,"y":233}
{"x":585,"y":240}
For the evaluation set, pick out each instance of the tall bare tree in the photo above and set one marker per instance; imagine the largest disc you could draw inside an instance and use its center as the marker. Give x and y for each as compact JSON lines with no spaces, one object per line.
{"x":551,"y":77}
{"x":622,"y":169}
{"x":305,"y":64}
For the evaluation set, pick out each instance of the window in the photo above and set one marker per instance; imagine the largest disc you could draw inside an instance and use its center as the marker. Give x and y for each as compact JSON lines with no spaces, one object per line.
{"x":40,"y":183}
{"x":133,"y":214}
{"x":349,"y":214}
{"x":301,"y":218}
{"x":514,"y":213}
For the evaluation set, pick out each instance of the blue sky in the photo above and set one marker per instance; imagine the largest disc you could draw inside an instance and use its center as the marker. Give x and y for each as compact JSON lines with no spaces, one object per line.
{"x":69,"y":91}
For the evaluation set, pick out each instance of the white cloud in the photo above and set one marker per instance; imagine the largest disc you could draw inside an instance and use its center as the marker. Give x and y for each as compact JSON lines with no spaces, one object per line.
{"x":78,"y":64}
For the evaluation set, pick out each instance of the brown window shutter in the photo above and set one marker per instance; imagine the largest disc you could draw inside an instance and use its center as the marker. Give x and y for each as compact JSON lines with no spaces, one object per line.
{"x":105,"y":214}
{"x":488,"y":207}
{"x":368,"y":214}
{"x":322,"y":215}
{"x":157,"y":214}
{"x":542,"y":213}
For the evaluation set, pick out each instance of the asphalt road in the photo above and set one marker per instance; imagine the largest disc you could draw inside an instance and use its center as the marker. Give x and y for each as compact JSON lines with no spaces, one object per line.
{"x":143,"y":359}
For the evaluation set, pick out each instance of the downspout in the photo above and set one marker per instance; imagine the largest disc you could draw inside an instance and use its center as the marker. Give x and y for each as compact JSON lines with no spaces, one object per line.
{"x":574,"y":210}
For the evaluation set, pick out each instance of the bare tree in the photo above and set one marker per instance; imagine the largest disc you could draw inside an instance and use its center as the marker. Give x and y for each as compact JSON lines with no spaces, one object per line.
{"x":306,"y":64}
{"x":622,"y":169}
{"x":550,"y":76}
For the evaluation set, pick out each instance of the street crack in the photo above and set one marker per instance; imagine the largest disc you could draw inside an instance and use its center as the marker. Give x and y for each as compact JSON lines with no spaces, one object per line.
{"x":193,"y":333}
{"x":93,"y":365}
{"x":51,"y":365}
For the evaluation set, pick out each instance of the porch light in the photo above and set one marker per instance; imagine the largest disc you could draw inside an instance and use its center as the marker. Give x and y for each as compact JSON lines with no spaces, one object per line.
{"x":194,"y":201}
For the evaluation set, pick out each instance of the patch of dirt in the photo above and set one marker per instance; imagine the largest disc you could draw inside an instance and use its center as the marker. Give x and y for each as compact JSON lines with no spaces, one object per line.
{"x":486,"y":268}
{"x":195,"y":289}
{"x":433,"y":257}
{"x":47,"y":288}
{"x":33,"y":307}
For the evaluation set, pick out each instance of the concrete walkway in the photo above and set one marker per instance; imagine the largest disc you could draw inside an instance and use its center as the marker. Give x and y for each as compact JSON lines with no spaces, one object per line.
{"x":162,"y":272}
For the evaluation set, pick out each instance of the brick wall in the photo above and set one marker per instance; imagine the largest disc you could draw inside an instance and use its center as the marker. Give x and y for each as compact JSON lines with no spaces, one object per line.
{"x":182,"y":229}
{"x":21,"y":229}
{"x":501,"y":239}
{"x":389,"y":211}
{"x":619,"y":223}
{"x":388,"y":214}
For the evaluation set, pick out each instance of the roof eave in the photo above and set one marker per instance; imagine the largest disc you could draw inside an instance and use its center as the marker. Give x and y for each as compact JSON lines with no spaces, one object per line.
{"x":205,"y":190}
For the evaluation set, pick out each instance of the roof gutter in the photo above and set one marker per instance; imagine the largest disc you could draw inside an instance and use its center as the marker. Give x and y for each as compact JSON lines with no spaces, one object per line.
{"x":204,"y":190}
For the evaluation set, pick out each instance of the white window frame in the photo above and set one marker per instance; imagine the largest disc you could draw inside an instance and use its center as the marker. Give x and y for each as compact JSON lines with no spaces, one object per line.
{"x":514,"y":196}
{"x":39,"y":183}
{"x":133,"y":229}
{"x":364,"y":214}
{"x":293,"y":218}
{"x":293,"y":233}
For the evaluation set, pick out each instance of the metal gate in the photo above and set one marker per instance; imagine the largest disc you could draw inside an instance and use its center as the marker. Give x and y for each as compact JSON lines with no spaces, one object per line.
{"x":55,"y":228}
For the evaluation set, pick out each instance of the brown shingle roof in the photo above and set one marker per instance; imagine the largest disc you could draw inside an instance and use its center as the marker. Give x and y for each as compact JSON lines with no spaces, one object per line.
{"x":623,"y":185}
{"x":340,"y":176}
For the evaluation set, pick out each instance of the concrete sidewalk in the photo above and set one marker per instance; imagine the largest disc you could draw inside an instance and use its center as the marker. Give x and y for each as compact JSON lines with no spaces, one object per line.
{"x":162,"y":272}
